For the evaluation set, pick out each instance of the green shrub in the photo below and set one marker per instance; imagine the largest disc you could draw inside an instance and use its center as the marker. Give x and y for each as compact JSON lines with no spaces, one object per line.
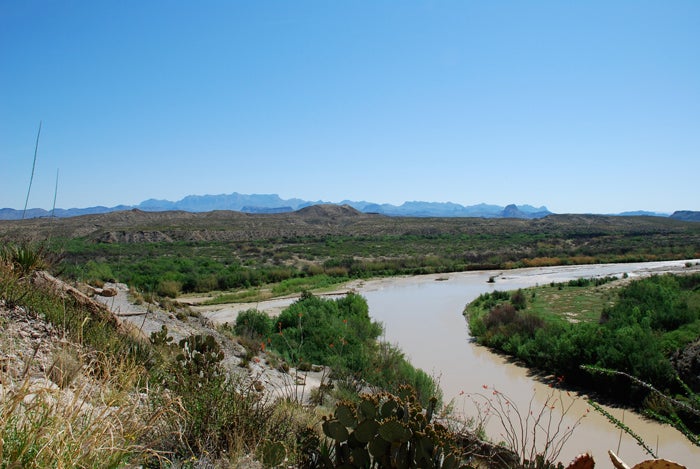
{"x":253,"y":324}
{"x":98,"y":271}
{"x":390,"y":371}
{"x":327,"y":332}
{"x":518,"y":299}
{"x":169,"y":288}
{"x":225,"y":414}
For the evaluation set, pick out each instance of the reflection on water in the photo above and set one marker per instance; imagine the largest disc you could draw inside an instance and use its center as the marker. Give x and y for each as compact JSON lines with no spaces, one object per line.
{"x":424,"y":317}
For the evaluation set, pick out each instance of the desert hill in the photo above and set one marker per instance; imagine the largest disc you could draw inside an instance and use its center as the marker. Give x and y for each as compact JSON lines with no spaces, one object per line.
{"x":320,"y":221}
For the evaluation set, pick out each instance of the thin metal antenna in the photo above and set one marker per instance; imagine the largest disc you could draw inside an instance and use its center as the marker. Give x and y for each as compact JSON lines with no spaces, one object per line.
{"x":29,"y":190}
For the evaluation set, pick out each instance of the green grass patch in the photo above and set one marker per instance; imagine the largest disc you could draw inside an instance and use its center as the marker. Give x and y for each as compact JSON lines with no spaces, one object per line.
{"x":244,"y":296}
{"x":298,"y":285}
{"x":569,"y":303}
{"x":317,"y":283}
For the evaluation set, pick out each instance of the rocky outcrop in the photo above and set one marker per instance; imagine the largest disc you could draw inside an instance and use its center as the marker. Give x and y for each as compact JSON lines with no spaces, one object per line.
{"x":687,"y":363}
{"x":47,"y":281}
{"x":140,"y":236}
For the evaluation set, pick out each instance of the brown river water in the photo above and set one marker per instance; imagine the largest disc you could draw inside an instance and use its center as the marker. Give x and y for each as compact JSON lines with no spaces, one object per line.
{"x":423,"y":316}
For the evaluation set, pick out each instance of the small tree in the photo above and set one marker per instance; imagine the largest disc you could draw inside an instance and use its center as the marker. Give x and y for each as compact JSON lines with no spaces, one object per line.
{"x":518,"y":299}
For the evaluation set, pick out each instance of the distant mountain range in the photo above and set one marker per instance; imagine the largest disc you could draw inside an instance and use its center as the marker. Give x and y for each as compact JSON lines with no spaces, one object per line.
{"x":272,"y":203}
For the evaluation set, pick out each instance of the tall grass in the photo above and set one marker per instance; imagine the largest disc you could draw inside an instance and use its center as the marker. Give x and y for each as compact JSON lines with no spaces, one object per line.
{"x":89,"y":407}
{"x":96,"y":423}
{"x":31,"y":178}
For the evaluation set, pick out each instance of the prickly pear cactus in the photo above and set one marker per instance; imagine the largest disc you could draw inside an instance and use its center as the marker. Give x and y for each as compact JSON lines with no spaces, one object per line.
{"x":272,"y":453}
{"x":388,"y":431}
{"x":582,"y":461}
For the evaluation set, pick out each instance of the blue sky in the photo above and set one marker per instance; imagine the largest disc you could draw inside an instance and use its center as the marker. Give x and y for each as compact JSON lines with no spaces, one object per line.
{"x":582,"y":106}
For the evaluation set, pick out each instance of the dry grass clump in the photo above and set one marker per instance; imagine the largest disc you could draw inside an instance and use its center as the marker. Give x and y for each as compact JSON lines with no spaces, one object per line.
{"x":99,"y":417}
{"x":65,"y":399}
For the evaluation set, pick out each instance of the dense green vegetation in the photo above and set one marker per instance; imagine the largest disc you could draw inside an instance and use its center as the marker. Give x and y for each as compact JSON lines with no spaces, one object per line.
{"x":647,"y":321}
{"x":338,"y":333}
{"x":204,"y":266}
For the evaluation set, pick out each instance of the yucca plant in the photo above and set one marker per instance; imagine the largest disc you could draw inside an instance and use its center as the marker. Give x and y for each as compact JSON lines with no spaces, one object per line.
{"x":25,"y":258}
